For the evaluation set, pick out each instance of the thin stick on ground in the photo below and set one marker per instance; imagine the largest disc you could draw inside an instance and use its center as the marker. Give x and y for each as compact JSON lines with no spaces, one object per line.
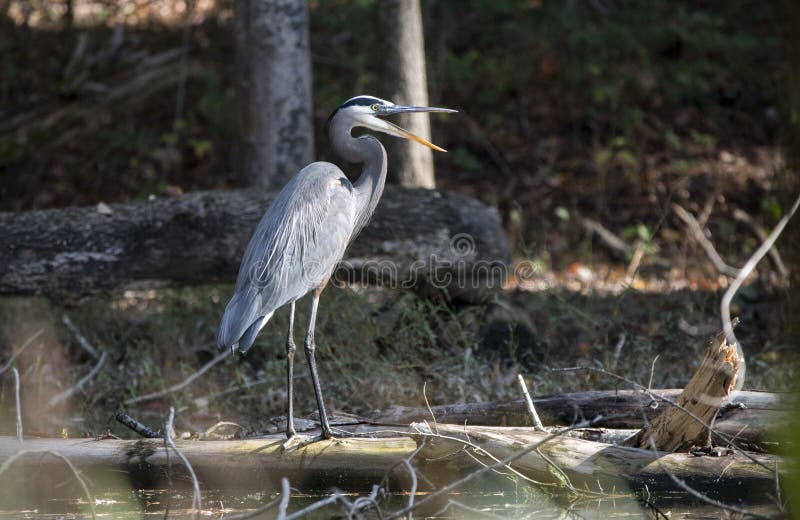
{"x":138,"y":427}
{"x":66,"y":394}
{"x":89,"y":499}
{"x":286,"y":493}
{"x":179,"y":386}
{"x":18,"y":404}
{"x":196,"y":499}
{"x":82,"y":341}
{"x":485,"y":469}
{"x":537,"y":423}
{"x":697,"y":232}
{"x":744,"y":272}
{"x":19,"y":351}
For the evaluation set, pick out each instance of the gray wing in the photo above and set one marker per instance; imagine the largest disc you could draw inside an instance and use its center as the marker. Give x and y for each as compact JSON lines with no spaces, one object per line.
{"x":294,"y":249}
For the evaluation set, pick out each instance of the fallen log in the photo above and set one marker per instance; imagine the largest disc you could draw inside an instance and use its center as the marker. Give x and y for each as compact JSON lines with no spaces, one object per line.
{"x":356,"y":463}
{"x":597,"y":467}
{"x":416,"y":238}
{"x":749,"y":417}
{"x":448,"y":452}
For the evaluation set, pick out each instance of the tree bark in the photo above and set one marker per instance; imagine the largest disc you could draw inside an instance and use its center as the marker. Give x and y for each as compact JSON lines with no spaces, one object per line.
{"x":712,"y":383}
{"x":273,"y":89}
{"x":411,"y":164}
{"x":453,"y":242}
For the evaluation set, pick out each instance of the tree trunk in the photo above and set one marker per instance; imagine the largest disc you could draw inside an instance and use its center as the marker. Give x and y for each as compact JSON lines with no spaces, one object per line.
{"x":453,"y":242}
{"x":410,"y":164}
{"x":273,"y":87}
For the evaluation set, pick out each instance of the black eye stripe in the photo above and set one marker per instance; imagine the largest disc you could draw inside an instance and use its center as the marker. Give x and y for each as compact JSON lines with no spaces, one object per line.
{"x":362,"y":101}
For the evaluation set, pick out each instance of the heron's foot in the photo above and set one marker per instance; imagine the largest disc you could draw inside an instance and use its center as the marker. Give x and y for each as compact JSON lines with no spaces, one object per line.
{"x":297,"y":441}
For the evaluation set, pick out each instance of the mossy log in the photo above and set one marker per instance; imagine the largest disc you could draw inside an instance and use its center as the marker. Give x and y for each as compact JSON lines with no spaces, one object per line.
{"x":749,"y":417}
{"x":598,"y":467}
{"x":417,"y":238}
{"x":355,"y":463}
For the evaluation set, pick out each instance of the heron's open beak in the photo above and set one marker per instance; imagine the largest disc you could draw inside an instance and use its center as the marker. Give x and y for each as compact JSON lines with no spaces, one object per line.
{"x":393,"y":129}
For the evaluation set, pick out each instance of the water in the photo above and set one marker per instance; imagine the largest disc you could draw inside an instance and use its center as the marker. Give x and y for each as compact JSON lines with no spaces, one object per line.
{"x":514,"y":501}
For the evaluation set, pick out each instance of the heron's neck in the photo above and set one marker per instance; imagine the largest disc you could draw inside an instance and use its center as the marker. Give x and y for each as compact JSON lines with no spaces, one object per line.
{"x":368,"y":151}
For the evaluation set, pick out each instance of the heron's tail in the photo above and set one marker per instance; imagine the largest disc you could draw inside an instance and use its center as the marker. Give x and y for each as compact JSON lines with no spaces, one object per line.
{"x":240,"y":323}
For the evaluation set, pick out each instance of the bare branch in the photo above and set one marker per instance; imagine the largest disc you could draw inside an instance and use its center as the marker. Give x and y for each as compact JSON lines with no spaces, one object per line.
{"x":179,"y":386}
{"x":608,"y":238}
{"x":725,"y":305}
{"x":537,"y":423}
{"x":66,"y":394}
{"x":743,"y":217}
{"x":82,"y":341}
{"x":697,"y":232}
{"x":503,"y":462}
{"x":196,"y":498}
{"x":18,"y":404}
{"x":19,"y":351}
{"x":140,"y":428}
{"x":285,"y":495}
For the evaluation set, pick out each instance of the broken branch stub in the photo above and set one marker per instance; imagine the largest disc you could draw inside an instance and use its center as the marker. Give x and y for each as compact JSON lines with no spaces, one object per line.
{"x":713,"y":382}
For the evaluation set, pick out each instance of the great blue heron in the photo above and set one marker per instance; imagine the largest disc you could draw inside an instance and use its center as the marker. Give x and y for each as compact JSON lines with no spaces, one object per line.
{"x":305,"y":232}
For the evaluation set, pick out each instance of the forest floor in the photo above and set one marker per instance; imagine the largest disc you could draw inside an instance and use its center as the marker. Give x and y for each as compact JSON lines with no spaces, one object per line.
{"x":645,"y":310}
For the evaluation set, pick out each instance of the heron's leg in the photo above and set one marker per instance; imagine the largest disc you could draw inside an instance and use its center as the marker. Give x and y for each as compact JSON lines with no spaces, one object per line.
{"x":290,"y":350}
{"x":312,"y":364}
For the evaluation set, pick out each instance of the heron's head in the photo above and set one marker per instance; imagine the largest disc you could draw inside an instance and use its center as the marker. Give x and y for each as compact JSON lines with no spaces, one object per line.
{"x":366,"y":111}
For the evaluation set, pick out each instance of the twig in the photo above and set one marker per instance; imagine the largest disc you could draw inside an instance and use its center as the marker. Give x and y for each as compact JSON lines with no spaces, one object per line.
{"x":66,"y":394}
{"x":179,"y":386}
{"x":196,"y":498}
{"x":89,"y":499}
{"x":19,"y":405}
{"x":140,"y":428}
{"x":25,"y":345}
{"x":697,"y":232}
{"x":285,"y":495}
{"x":537,"y":423}
{"x":82,"y":341}
{"x":759,"y":232}
{"x":503,"y":462}
{"x":652,"y":371}
{"x":413,"y":491}
{"x":618,"y":350}
{"x":425,"y":396}
{"x":747,"y":268}
{"x":609,"y":238}
{"x":251,"y":514}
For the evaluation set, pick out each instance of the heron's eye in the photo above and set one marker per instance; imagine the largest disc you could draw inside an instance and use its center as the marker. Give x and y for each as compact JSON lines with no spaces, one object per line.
{"x":375,"y":107}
